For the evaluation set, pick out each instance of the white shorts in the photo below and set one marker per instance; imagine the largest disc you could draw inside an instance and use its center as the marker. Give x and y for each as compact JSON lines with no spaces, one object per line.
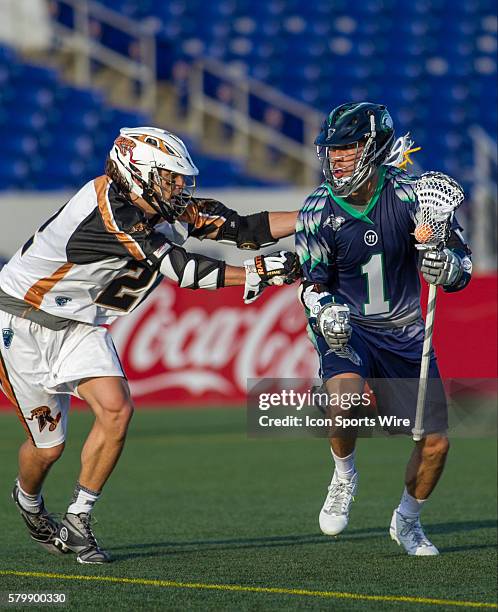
{"x":40,"y":369}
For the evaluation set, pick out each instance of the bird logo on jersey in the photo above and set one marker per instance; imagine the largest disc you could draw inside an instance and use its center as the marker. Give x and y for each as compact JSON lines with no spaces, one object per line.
{"x":334,"y":222}
{"x":43,"y":416}
{"x":7,"y":335}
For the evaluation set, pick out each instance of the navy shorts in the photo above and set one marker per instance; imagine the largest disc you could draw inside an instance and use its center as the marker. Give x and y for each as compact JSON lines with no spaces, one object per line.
{"x":389,"y":359}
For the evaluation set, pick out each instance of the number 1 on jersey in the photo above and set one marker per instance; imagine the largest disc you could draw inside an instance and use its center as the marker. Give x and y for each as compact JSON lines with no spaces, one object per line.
{"x":376,"y":303}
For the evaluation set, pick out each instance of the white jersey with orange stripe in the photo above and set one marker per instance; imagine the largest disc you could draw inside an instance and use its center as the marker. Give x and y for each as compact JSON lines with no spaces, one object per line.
{"x":98,"y":257}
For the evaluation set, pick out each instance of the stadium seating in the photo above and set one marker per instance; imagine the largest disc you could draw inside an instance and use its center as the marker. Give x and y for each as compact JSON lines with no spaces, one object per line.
{"x":433,"y":62}
{"x":57,"y":137}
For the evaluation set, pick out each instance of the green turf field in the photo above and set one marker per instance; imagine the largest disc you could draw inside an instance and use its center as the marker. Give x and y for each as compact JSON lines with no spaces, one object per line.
{"x":194,"y":504}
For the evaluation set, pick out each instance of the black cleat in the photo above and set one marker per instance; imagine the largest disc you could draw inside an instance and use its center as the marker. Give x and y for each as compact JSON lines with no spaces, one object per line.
{"x":75,"y":533}
{"x":41,"y":525}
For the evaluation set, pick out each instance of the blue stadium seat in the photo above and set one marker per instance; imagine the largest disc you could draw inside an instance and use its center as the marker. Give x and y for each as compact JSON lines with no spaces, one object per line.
{"x":433,"y":62}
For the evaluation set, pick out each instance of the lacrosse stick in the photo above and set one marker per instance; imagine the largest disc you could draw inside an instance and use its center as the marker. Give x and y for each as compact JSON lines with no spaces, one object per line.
{"x":438,"y":197}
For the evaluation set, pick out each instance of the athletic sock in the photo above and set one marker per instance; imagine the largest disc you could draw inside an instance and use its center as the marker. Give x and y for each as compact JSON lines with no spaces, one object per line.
{"x":30,"y":503}
{"x":409,"y":506}
{"x":344,"y":466}
{"x":83,"y":500}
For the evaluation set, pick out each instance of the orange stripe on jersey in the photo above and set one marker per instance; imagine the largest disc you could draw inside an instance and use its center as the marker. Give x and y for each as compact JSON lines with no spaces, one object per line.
{"x":37,"y":292}
{"x":9,"y":392}
{"x":102,"y":187}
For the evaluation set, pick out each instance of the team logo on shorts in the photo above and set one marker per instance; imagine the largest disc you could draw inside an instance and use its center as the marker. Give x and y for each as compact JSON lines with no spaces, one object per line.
{"x":370,"y":238}
{"x":7,"y":335}
{"x":62,"y":300}
{"x":347,"y":353}
{"x":43,"y":416}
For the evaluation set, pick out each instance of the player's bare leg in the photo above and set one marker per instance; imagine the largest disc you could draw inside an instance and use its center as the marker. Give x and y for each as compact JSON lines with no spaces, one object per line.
{"x":426,"y":465}
{"x":109,"y":398}
{"x":34,"y":465}
{"x":423,"y":471}
{"x":334,"y":515}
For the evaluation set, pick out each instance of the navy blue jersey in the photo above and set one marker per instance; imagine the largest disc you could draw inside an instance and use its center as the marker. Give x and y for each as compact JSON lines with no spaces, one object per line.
{"x":367,"y":259}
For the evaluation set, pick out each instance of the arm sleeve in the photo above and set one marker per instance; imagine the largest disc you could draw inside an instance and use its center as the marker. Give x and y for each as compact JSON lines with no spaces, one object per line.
{"x":210,"y":216}
{"x":314,"y":248}
{"x":314,"y":243}
{"x":192,"y":270}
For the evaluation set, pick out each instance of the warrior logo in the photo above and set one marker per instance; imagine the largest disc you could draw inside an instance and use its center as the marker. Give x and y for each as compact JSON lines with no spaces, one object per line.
{"x":334,"y":222}
{"x":125,"y":145}
{"x":43,"y":416}
{"x":7,"y":335}
{"x":371,"y":238}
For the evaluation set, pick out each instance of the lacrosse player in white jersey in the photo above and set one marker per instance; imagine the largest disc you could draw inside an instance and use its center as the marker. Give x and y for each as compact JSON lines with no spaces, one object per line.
{"x":97,"y":258}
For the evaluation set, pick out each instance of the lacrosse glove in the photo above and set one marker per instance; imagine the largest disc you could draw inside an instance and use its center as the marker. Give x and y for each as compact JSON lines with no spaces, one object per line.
{"x":442,"y":267}
{"x":273,"y":269}
{"x":333,"y":322}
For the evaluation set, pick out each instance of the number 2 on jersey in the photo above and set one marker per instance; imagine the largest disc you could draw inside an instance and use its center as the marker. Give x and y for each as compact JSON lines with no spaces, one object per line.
{"x":374,"y":270}
{"x":125,"y":292}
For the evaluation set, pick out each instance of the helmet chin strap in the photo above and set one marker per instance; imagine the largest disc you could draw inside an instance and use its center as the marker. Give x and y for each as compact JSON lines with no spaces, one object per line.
{"x":160,"y":206}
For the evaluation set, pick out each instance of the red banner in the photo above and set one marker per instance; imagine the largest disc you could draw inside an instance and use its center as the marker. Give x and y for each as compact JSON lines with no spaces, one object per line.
{"x":203,"y":346}
{"x":200,"y":347}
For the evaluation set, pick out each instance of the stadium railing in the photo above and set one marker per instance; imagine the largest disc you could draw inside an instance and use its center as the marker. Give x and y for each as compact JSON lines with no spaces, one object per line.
{"x":86,"y":49}
{"x":248,"y":95}
{"x":484,"y":200}
{"x":247,"y":133}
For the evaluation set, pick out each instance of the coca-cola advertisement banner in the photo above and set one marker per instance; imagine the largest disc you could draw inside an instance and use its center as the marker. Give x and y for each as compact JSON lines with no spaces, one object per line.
{"x":200,"y":347}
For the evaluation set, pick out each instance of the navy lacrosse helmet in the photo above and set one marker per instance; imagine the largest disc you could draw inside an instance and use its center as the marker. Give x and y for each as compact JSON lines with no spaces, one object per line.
{"x":355,"y":123}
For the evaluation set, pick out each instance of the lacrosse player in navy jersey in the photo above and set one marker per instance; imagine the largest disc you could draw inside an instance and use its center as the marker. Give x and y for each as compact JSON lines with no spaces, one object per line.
{"x":361,"y":292}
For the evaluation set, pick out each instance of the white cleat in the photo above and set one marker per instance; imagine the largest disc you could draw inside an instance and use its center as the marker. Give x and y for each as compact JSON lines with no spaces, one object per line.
{"x":408,"y":532}
{"x":334,"y":515}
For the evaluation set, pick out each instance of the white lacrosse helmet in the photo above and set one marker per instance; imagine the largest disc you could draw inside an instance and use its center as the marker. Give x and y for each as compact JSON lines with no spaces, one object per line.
{"x":139,"y":154}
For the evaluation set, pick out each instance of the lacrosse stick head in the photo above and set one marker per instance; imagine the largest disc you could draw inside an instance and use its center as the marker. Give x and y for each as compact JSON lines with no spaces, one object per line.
{"x":438,"y":197}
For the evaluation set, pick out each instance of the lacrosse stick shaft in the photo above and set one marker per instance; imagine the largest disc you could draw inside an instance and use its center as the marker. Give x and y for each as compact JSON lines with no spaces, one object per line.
{"x":418,"y":429}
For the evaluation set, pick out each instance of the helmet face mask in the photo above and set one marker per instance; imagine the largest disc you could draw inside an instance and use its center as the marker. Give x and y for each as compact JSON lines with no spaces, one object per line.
{"x":156,"y":166}
{"x":365,"y":132}
{"x":169,"y":193}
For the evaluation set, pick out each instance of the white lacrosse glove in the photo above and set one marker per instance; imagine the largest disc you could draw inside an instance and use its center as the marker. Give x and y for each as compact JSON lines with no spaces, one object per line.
{"x":273,"y":269}
{"x":333,"y":322}
{"x":441,"y":267}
